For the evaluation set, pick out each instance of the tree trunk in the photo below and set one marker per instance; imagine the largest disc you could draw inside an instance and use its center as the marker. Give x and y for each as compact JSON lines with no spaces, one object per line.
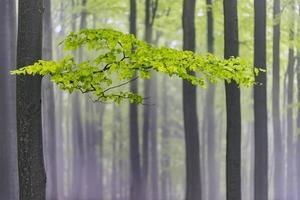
{"x":193,"y":178}
{"x":151,"y":91}
{"x":298,"y":119}
{"x":260,"y":104}
{"x":78,"y":154}
{"x":121,"y":163}
{"x":135,"y":168}
{"x":32,"y":178}
{"x":115,"y":131}
{"x":83,"y":25}
{"x":278,"y":145}
{"x":290,"y":90}
{"x":213,"y":185}
{"x":8,"y":146}
{"x":78,"y":129}
{"x":153,"y":140}
{"x":165,"y":160}
{"x":233,"y":106}
{"x":48,"y":110}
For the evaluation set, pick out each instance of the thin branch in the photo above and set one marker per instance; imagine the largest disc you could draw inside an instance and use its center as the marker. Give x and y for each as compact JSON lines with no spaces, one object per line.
{"x":120,"y":85}
{"x":154,"y":11}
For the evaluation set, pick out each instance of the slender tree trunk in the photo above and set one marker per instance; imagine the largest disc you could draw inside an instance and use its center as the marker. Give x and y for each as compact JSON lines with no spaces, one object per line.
{"x":78,"y":154}
{"x":260,"y":104}
{"x":61,"y":138}
{"x":94,"y":186}
{"x":213,"y":187}
{"x":165,"y":160}
{"x":135,"y":168}
{"x":78,"y":129}
{"x":233,"y":106}
{"x":146,"y":124}
{"x":146,"y":110}
{"x":153,"y":125}
{"x":278,"y":145}
{"x":149,"y":117}
{"x":100,"y":142}
{"x":298,"y":114}
{"x":193,"y":178}
{"x":8,"y":146}
{"x":115,"y":132}
{"x":83,"y":25}
{"x":121,"y":163}
{"x":290,"y":90}
{"x":32,"y":177}
{"x":48,"y":110}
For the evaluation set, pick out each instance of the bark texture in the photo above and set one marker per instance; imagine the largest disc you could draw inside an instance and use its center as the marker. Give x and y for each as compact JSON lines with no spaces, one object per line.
{"x":32,"y":177}
{"x":135,"y":168}
{"x":260,"y":104}
{"x":233,"y":106}
{"x":193,"y":178}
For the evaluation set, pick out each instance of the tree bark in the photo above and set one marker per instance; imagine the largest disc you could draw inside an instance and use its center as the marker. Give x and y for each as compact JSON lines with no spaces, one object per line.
{"x":233,"y":106}
{"x":135,"y":168}
{"x":260,"y":104}
{"x":32,"y":178}
{"x":193,"y":178}
{"x":8,"y":145}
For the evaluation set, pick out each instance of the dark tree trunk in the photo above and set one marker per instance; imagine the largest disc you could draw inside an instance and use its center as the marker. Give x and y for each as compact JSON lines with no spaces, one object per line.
{"x":290,"y":90}
{"x":193,"y":178}
{"x":8,"y":145}
{"x":278,"y":145}
{"x":135,"y":168}
{"x":213,"y":187}
{"x":233,"y":106}
{"x":48,"y":110}
{"x":32,"y":177}
{"x":260,"y":104}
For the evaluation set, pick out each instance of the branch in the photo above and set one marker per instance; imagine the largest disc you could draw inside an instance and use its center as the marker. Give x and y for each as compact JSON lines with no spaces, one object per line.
{"x":120,"y":85}
{"x":154,"y":11}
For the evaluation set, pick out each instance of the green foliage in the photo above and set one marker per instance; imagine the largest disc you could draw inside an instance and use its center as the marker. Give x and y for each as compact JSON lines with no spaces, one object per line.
{"x":121,"y":58}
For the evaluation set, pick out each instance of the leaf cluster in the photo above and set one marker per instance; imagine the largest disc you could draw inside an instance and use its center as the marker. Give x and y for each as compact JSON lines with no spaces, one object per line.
{"x":121,"y":58}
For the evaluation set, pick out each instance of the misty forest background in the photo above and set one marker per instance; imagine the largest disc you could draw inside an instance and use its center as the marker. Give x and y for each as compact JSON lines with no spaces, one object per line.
{"x":228,"y":143}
